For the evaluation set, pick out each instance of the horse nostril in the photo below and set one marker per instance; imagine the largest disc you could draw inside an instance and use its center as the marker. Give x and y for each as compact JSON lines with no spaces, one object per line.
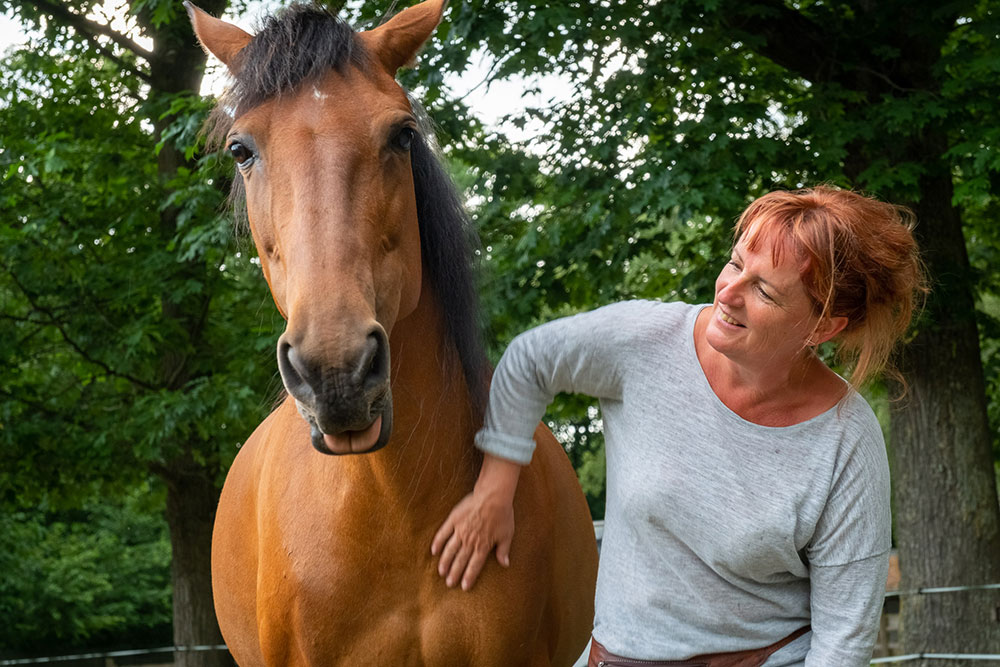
{"x":292,"y":372}
{"x":374,"y":367}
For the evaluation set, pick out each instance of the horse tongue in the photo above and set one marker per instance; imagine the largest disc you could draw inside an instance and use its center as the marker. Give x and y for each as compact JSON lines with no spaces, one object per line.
{"x":354,"y":441}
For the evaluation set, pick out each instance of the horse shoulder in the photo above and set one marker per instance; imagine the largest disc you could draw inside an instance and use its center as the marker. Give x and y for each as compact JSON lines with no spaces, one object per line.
{"x":235,"y":546}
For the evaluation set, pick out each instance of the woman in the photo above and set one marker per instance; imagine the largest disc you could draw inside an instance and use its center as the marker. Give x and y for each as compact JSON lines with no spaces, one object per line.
{"x":748,"y":488}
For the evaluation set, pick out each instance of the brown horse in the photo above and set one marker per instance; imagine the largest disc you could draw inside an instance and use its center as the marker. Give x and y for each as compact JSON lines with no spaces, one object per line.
{"x":321,"y":558}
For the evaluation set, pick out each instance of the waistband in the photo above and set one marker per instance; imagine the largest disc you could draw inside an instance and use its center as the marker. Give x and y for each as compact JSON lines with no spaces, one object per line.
{"x":601,"y":657}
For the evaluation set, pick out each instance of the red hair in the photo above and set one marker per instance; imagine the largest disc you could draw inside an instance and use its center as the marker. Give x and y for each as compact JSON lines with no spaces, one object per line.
{"x":860,"y":262}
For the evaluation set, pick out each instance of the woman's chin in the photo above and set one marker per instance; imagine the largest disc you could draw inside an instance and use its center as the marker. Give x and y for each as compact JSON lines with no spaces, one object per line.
{"x":720,"y":340}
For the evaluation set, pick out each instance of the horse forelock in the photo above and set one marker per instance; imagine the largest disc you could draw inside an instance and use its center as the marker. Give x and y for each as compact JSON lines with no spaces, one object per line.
{"x":298,"y":43}
{"x":302,"y":42}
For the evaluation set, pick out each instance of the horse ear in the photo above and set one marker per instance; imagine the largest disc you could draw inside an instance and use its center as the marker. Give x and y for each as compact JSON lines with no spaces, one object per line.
{"x":221,"y":39}
{"x":395,"y":43}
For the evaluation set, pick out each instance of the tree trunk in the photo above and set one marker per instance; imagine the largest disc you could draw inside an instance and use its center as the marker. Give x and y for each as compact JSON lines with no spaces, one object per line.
{"x":191,"y":502}
{"x":192,"y":496}
{"x":945,"y":501}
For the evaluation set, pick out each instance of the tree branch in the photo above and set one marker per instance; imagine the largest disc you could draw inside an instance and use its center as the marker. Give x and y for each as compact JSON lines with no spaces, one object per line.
{"x":822,"y":53}
{"x":93,"y":28}
{"x":96,"y":305}
{"x":790,"y":39}
{"x":38,"y":407}
{"x":110,"y":55}
{"x":52,"y":321}
{"x":23,"y":320}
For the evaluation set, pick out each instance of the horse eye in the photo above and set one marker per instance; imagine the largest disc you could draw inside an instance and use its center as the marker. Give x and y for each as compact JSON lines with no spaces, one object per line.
{"x":404,"y":138}
{"x":240,"y":152}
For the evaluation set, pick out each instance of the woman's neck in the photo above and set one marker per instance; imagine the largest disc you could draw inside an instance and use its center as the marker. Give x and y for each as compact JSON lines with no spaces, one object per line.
{"x":770,"y":392}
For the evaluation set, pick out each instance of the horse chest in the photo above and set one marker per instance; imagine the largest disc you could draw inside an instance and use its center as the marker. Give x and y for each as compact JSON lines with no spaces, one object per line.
{"x":314,"y":567}
{"x":347,"y":609}
{"x":348,"y":574}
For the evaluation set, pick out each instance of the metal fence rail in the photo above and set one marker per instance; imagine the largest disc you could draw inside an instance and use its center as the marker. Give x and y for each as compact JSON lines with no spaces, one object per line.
{"x":937,"y":656}
{"x":113,"y":654}
{"x":942,"y":589}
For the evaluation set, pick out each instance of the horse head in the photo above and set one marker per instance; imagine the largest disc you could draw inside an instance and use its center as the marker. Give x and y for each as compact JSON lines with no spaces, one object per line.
{"x":322,"y":143}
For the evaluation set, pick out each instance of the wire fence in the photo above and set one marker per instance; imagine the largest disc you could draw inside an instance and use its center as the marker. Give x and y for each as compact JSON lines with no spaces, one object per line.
{"x":937,"y":656}
{"x":114,"y":654}
{"x":933,"y":590}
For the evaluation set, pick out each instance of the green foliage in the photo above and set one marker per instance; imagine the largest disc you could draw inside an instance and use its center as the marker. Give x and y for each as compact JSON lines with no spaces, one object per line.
{"x":93,"y":284}
{"x":87,"y":575}
{"x":136,"y":333}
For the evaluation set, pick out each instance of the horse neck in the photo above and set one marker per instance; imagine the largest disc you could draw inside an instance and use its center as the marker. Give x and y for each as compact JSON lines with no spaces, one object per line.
{"x":431,"y":453}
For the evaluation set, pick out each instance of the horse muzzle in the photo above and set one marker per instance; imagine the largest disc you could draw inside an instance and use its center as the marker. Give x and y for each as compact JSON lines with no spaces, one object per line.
{"x":360,"y":441}
{"x":347,"y":405}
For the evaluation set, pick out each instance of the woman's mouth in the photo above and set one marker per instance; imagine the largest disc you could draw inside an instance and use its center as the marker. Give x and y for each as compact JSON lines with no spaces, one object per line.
{"x":729,"y":320}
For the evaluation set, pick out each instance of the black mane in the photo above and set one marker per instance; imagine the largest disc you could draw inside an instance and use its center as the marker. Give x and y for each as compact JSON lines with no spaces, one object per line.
{"x":299,"y":44}
{"x":447,"y":239}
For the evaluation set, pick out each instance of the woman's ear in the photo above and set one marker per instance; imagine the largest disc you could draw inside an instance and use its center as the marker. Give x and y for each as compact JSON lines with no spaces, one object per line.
{"x":827,"y":328}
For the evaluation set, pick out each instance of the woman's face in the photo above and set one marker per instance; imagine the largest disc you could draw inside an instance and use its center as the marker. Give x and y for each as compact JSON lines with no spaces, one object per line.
{"x":762,"y":313}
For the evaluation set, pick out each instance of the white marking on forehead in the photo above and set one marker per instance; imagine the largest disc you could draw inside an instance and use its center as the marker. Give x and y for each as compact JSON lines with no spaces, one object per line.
{"x":318,"y":95}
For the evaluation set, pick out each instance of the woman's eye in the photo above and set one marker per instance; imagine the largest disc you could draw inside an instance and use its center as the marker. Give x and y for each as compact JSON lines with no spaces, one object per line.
{"x":240,"y":153}
{"x":404,"y":138}
{"x":763,"y":293}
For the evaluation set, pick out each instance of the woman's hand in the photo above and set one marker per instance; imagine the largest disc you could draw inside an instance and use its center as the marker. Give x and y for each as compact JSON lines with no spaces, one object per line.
{"x":482,"y":520}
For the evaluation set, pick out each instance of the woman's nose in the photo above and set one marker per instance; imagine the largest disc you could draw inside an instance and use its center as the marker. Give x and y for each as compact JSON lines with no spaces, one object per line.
{"x":730,"y":292}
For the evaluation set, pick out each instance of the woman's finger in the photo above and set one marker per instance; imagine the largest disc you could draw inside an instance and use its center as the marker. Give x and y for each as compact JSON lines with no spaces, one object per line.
{"x":473,"y":569}
{"x":503,"y":550}
{"x":451,"y":549}
{"x":458,"y":566}
{"x":442,"y":535}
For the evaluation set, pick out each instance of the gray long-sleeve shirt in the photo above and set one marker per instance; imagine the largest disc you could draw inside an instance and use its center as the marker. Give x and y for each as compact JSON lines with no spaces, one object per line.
{"x":720,"y":534}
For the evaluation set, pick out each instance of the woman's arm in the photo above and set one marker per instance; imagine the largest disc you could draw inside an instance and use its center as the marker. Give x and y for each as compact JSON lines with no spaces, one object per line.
{"x":846,"y":601}
{"x":580,"y":354}
{"x":849,"y":553}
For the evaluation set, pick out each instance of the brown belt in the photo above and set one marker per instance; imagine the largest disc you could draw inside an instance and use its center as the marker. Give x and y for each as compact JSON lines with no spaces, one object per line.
{"x":601,"y":657}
